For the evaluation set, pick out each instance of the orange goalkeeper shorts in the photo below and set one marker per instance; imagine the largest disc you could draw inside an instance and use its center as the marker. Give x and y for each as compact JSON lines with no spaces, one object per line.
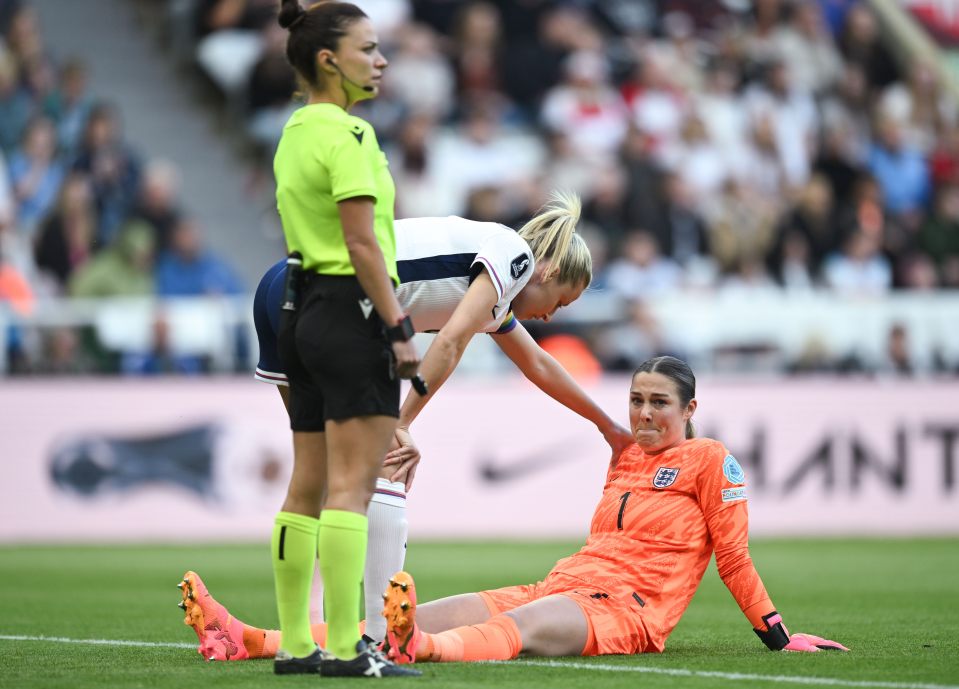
{"x":614,"y":620}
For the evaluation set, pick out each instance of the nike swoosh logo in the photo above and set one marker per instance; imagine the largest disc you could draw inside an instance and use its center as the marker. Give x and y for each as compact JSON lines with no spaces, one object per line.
{"x":495,"y":470}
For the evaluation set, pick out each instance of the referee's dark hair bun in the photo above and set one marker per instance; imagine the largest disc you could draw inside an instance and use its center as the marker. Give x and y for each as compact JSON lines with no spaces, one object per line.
{"x":290,"y":13}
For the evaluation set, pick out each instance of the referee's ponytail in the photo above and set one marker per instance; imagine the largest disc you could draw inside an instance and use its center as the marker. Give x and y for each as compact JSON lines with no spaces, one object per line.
{"x":552,"y":237}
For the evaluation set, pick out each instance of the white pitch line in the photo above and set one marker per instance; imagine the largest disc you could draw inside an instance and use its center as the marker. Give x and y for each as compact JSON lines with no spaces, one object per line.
{"x":675,"y":672}
{"x":96,"y":642}
{"x":735,"y":676}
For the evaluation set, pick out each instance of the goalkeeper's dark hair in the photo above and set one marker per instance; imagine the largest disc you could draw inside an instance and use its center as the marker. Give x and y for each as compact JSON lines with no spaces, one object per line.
{"x":320,"y":26}
{"x":679,"y":372}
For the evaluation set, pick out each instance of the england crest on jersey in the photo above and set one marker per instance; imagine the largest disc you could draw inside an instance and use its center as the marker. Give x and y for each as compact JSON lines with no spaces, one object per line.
{"x":665,"y":477}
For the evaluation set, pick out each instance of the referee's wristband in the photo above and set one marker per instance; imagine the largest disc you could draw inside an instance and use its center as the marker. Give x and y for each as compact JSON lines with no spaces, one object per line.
{"x":403,"y":331}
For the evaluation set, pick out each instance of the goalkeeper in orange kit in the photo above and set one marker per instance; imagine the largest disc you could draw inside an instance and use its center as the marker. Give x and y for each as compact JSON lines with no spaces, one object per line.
{"x":670,"y":502}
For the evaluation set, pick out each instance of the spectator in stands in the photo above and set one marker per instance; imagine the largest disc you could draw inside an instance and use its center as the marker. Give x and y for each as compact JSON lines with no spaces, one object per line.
{"x":65,"y":239}
{"x":15,"y":290}
{"x":606,"y":207}
{"x":859,"y":269}
{"x":697,"y":159}
{"x":36,"y":173}
{"x":533,"y":62}
{"x":158,"y":202}
{"x":230,"y":39}
{"x":16,"y":105}
{"x":900,"y":169}
{"x":23,"y":37}
{"x":124,"y":269}
{"x":807,"y":48}
{"x":726,"y":124}
{"x":641,"y":272}
{"x":680,"y":54}
{"x":62,"y":354}
{"x":269,"y":91}
{"x":625,"y":345}
{"x":897,"y":358}
{"x":657,"y":105}
{"x":740,"y":227}
{"x":423,"y":80}
{"x":566,"y":169}
{"x":791,"y":262}
{"x":8,"y":201}
{"x":188,"y":268}
{"x":846,"y":121}
{"x":758,"y":169}
{"x":161,"y":357}
{"x":420,"y":191}
{"x":680,"y":230}
{"x":805,"y":235}
{"x":760,"y":37}
{"x":476,"y":46}
{"x":791,"y":112}
{"x":113,"y":168}
{"x":482,"y":155}
{"x":915,"y":271}
{"x":939,"y":234}
{"x":644,"y":179}
{"x":748,"y":280}
{"x":70,"y":106}
{"x":861,"y":44}
{"x":586,"y":108}
{"x":921,"y":108}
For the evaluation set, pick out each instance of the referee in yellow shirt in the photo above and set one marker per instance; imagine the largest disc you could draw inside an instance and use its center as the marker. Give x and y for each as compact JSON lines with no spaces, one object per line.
{"x":346,"y":340}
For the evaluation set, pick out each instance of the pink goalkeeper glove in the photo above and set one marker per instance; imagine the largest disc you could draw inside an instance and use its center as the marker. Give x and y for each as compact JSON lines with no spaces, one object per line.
{"x":811,"y":643}
{"x":777,"y":638}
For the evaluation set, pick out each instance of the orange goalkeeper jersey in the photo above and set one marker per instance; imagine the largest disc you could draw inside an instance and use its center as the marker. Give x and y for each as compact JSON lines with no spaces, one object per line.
{"x":659,"y":520}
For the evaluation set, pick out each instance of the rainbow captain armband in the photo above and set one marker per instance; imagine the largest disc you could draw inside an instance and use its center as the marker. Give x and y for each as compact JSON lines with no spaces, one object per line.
{"x":775,"y":635}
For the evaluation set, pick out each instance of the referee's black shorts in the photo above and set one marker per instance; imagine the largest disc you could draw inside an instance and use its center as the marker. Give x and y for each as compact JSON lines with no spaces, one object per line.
{"x":336,"y":355}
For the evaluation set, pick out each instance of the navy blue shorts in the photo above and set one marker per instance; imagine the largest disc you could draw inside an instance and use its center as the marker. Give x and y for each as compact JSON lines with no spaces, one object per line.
{"x":266,"y":318}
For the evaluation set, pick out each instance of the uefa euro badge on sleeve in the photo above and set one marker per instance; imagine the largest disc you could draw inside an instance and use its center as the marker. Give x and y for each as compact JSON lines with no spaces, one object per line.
{"x":665,"y":477}
{"x":518,"y":266}
{"x":733,"y":472}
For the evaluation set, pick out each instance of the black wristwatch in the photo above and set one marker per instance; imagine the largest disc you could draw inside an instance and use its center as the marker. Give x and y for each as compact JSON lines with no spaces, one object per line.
{"x":401,"y":332}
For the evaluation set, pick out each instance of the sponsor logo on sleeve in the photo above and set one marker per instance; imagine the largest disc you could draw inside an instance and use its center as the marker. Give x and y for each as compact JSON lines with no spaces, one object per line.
{"x":731,"y":494}
{"x":519,"y":265}
{"x":733,"y":472}
{"x":665,"y":477}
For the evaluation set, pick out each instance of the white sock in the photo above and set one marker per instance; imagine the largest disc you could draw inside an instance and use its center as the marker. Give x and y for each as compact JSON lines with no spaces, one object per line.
{"x":386,"y":549}
{"x":316,"y":597}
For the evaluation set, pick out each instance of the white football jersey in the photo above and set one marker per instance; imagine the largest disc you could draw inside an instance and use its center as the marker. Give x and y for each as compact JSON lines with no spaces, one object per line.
{"x":437,"y":258}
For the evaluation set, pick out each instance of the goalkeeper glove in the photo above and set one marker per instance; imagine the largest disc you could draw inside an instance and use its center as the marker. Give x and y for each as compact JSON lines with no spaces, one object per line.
{"x":777,"y":638}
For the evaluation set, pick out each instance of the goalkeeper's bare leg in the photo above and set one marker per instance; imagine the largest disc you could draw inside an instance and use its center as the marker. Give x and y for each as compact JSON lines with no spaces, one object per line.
{"x":550,"y":626}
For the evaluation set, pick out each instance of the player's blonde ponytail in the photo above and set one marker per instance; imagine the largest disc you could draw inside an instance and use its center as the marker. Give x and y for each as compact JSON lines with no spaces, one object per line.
{"x":552,"y":237}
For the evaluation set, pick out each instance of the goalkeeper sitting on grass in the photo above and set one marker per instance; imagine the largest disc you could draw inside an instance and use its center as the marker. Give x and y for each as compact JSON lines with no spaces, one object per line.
{"x":670,"y":502}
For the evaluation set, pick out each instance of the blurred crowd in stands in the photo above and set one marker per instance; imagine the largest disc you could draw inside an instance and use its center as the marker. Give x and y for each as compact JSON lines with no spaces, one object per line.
{"x":719,"y":146}
{"x":81,"y":214}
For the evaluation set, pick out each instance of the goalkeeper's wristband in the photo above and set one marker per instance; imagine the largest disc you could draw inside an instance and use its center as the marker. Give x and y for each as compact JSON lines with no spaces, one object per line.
{"x":775,"y":636}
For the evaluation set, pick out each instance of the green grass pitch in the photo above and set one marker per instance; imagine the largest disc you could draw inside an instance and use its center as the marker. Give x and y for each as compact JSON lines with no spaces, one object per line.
{"x":895,"y":603}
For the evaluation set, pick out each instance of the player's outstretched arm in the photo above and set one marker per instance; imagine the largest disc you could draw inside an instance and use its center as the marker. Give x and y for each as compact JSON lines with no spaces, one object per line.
{"x":549,"y":376}
{"x":448,"y":346}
